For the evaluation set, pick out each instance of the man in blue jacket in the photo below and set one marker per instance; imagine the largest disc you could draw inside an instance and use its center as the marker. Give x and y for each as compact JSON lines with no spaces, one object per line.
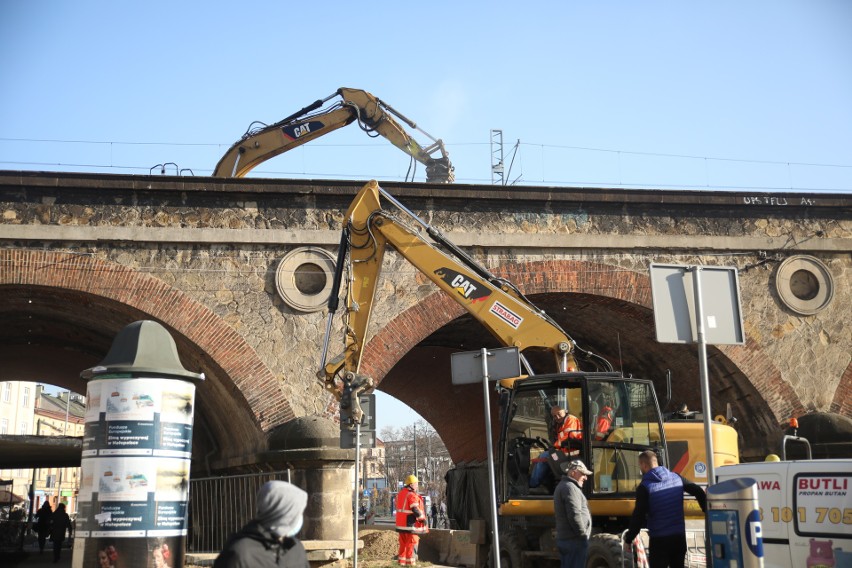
{"x":659,"y":507}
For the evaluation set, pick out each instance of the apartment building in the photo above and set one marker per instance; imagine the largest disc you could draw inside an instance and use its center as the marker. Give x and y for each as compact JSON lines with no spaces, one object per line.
{"x":27,"y":410}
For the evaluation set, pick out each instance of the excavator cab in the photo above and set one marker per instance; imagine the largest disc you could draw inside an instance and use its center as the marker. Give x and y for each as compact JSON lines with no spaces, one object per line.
{"x":618,"y":419}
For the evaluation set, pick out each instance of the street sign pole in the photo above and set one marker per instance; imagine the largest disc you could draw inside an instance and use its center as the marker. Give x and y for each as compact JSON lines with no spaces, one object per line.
{"x":355,"y":495}
{"x":703,"y":374}
{"x":687,"y":312}
{"x":495,"y":543}
{"x":681,"y":318}
{"x":506,"y":364}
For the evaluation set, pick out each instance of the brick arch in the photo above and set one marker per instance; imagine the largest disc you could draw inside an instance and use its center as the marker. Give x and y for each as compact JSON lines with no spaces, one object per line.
{"x":409,"y":328}
{"x":765,"y":376}
{"x":842,"y":403}
{"x":196,"y":322}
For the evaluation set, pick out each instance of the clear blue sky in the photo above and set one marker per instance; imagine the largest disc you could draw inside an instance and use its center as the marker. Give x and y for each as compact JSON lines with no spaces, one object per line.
{"x":714,"y":94}
{"x":598,"y":93}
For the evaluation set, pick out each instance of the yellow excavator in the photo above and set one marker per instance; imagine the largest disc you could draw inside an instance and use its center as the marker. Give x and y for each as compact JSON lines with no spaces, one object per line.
{"x":373,"y":115}
{"x":575,"y":379}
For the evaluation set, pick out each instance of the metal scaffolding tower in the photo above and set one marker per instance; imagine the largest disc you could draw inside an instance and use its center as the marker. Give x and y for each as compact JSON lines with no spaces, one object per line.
{"x":497,"y":168}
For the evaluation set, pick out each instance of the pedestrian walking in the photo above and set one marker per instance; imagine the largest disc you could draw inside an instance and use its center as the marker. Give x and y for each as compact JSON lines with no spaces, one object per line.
{"x":659,"y":507}
{"x":573,"y":519}
{"x":410,"y":521}
{"x":44,"y":517}
{"x":434,"y":514}
{"x":269,"y":540}
{"x":60,"y":525}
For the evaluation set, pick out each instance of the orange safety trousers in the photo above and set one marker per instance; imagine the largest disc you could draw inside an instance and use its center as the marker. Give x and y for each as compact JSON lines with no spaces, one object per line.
{"x":407,"y":543}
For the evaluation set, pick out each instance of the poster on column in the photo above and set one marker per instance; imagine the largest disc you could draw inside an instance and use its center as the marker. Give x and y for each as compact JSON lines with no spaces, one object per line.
{"x":139,"y":417}
{"x":158,"y":552}
{"x":134,"y":486}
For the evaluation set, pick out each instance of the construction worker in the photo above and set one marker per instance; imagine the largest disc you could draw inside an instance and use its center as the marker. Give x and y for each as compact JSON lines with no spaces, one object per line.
{"x":410,"y":521}
{"x":568,"y":428}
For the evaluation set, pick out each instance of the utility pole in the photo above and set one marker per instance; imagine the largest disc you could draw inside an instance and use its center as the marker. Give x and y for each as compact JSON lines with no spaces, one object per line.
{"x":415,"y":450}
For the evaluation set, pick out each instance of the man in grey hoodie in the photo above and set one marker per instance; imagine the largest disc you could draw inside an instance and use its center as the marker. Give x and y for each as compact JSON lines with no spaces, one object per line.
{"x":573,"y":519}
{"x":269,"y":540}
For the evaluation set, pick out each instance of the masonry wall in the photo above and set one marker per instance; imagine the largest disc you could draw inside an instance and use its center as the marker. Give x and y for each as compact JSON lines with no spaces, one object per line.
{"x":219,"y":245}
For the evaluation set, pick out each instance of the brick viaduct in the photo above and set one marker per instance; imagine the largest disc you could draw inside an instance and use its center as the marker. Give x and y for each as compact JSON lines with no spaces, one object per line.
{"x":83,"y":255}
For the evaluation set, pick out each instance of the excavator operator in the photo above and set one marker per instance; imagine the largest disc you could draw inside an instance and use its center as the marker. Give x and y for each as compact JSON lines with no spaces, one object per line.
{"x":567,"y":427}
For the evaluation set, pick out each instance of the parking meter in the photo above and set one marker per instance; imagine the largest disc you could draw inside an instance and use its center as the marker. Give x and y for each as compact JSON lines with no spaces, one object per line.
{"x":734,"y":518}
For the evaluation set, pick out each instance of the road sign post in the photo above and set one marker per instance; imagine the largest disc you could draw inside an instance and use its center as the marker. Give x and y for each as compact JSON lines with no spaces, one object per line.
{"x":685,"y":311}
{"x":470,"y":367}
{"x":355,"y":437}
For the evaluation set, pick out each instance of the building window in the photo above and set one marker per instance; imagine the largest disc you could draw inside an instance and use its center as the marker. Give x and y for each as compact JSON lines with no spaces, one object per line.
{"x":7,"y":392}
{"x":26,"y":396}
{"x":4,"y":425}
{"x":22,"y":431}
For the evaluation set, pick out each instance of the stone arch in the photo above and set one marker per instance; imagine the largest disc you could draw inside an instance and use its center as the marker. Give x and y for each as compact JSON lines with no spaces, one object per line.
{"x":623,"y":290}
{"x":234,"y":370}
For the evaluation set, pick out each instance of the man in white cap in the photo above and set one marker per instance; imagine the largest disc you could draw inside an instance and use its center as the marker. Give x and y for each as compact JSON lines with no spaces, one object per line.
{"x":270,"y":538}
{"x":573,"y":519}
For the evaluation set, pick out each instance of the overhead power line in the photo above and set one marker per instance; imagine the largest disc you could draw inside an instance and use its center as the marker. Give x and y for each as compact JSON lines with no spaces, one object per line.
{"x":561,"y":182}
{"x":530,"y":144}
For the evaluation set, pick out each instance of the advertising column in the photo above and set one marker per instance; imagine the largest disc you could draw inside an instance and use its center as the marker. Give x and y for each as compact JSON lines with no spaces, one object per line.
{"x":136,"y":454}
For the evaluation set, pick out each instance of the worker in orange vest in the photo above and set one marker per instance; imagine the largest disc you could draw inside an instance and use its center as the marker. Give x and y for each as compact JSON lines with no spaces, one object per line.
{"x":410,"y":521}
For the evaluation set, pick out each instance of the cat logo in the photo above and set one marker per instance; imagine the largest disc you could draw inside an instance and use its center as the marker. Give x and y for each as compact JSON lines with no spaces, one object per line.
{"x":299,"y":130}
{"x":467,"y":287}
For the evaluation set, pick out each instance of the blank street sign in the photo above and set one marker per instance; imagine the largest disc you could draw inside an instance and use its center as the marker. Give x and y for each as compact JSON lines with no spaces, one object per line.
{"x":503,"y":363}
{"x":673,"y":292}
{"x":347,"y":439}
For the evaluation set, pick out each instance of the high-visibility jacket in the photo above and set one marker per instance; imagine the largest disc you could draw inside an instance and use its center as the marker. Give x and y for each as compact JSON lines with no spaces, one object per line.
{"x":407,"y":520}
{"x":570,"y":429}
{"x":603,"y":423}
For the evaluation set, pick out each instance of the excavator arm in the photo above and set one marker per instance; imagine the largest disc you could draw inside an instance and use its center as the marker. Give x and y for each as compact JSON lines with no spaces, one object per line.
{"x":373,"y":116}
{"x":494,"y":302}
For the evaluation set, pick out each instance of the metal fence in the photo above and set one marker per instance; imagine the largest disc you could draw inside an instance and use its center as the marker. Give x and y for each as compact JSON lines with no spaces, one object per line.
{"x":220,"y":506}
{"x":695,"y":550}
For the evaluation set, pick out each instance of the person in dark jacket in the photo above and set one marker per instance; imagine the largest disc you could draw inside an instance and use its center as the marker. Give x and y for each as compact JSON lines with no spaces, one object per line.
{"x":659,"y":506}
{"x":269,"y":540}
{"x":43,"y":519}
{"x":573,"y":519}
{"x":61,"y":525}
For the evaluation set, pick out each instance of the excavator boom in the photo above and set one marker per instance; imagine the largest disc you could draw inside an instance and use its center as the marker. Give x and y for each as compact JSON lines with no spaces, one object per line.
{"x":494,"y":302}
{"x":373,"y":116}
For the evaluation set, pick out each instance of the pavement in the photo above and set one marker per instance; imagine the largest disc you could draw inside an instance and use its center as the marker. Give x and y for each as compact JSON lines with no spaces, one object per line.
{"x":30,"y":557}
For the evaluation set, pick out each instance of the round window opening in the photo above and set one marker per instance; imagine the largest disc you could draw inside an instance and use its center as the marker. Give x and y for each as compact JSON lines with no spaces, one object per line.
{"x":304,"y":278}
{"x":310,"y":279}
{"x":804,"y":284}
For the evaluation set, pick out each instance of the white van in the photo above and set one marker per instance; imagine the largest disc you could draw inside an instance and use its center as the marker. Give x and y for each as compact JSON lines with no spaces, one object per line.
{"x":805,"y":510}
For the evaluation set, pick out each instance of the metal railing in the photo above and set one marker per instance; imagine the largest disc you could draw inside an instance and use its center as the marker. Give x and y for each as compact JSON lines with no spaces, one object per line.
{"x":220,"y":506}
{"x":695,"y":549}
